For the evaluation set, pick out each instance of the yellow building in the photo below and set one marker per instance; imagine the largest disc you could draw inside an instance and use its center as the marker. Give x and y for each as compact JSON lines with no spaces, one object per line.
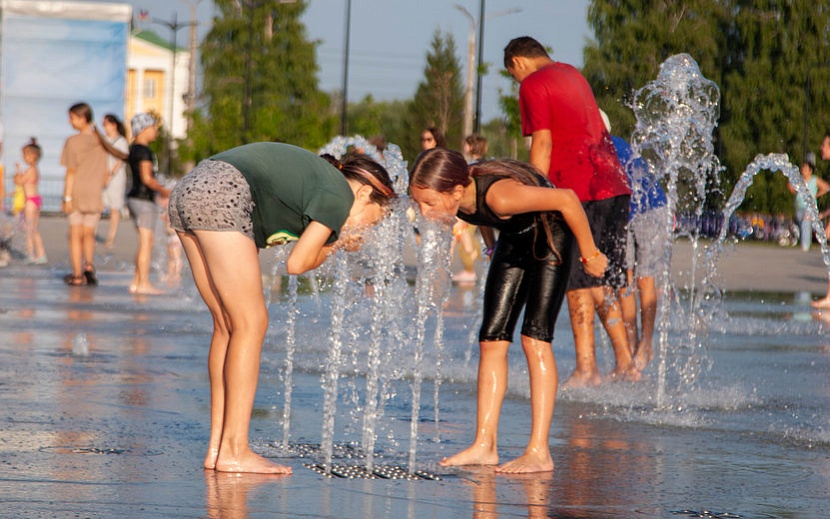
{"x":152,"y":80}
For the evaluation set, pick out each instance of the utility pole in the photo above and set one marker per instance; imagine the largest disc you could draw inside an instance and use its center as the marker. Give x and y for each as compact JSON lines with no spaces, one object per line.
{"x":194,"y":43}
{"x":174,"y":27}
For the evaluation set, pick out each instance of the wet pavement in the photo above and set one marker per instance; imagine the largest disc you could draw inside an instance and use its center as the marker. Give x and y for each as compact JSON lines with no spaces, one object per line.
{"x":104,"y":400}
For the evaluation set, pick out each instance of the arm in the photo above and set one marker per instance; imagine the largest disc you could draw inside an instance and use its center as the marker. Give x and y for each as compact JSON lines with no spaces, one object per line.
{"x":823,"y":187}
{"x":541,"y":146}
{"x":489,"y":237}
{"x":68,"y":184}
{"x":149,"y":180}
{"x":18,"y":175}
{"x":310,"y":250}
{"x":509,"y":197}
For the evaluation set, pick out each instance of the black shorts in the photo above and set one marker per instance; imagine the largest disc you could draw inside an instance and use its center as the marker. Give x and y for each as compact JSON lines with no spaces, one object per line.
{"x":609,"y":225}
{"x":523,"y":273}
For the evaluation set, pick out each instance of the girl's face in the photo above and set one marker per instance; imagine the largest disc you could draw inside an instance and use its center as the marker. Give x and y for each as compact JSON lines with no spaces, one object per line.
{"x":29,"y":156}
{"x":806,"y":171}
{"x":427,"y":141}
{"x":437,"y":206}
{"x":109,"y":127}
{"x":77,"y":122}
{"x":364,"y":212}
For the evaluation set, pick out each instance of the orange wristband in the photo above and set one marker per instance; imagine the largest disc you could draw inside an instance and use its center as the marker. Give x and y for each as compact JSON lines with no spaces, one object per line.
{"x":593,"y":257}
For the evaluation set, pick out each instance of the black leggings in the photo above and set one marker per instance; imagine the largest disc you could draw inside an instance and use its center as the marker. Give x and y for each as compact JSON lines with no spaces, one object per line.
{"x":518,"y":279}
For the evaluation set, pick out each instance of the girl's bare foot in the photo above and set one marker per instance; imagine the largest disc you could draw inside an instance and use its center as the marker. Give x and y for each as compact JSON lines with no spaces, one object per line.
{"x":632,"y":374}
{"x":642,"y":357}
{"x":580,"y":379}
{"x":148,"y":290}
{"x":210,"y":458}
{"x":823,"y":303}
{"x":250,"y":462}
{"x":473,"y":455}
{"x":527,"y":463}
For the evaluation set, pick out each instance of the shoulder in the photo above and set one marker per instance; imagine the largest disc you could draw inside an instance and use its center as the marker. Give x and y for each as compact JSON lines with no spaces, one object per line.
{"x":141,"y":152}
{"x":121,"y":144}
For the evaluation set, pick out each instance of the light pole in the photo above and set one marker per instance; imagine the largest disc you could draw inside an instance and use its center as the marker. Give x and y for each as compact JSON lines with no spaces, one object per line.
{"x":174,"y":27}
{"x":471,"y":70}
{"x":344,"y":123}
{"x":471,"y":64}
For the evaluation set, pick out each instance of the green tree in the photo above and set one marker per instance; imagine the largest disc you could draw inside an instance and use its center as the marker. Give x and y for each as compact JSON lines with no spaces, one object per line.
{"x":759,"y":52}
{"x":260,"y":80}
{"x":774,"y":47}
{"x":438,"y":100}
{"x":633,"y":37}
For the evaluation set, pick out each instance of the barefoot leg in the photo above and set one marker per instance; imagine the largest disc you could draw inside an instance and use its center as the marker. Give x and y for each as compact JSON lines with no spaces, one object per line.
{"x":581,"y":311}
{"x":541,"y":366}
{"x":218,"y":346}
{"x":236,"y":283}
{"x":648,"y":315}
{"x":608,"y":308}
{"x":628,"y":307}
{"x":492,"y":384}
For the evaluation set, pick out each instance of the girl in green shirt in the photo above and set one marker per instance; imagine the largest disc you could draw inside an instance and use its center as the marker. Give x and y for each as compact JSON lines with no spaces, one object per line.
{"x":231,"y":205}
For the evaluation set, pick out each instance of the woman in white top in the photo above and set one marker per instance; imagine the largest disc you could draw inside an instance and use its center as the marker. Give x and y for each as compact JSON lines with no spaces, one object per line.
{"x":113,"y":197}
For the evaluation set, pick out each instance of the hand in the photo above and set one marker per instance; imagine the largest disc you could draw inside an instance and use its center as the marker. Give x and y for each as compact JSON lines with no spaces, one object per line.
{"x":596,"y":265}
{"x":349,"y":241}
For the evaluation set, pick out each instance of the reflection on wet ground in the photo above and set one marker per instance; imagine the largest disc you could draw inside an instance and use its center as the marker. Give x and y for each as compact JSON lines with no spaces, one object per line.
{"x":105,"y":414}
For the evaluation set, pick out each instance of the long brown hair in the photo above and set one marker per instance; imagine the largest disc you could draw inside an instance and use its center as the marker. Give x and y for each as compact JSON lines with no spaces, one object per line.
{"x":441,"y":169}
{"x":85,"y":111}
{"x":362,"y":169}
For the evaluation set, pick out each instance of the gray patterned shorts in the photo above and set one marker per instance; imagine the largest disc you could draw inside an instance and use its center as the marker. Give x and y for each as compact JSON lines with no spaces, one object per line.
{"x":213,"y":197}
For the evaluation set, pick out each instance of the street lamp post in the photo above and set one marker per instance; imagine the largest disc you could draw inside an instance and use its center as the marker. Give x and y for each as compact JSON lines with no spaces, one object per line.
{"x":474,"y":71}
{"x":471,"y":70}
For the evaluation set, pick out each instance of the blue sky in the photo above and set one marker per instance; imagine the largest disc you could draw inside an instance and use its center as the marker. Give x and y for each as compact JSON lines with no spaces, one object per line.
{"x":390,"y":38}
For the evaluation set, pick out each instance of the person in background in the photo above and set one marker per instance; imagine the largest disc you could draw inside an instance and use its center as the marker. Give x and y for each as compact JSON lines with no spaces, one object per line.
{"x":529,"y":270}
{"x":648,"y":235}
{"x":817,"y":187}
{"x":570,"y":144}
{"x":464,"y":234}
{"x":142,"y":198}
{"x":432,"y":138}
{"x":116,"y":188}
{"x":85,"y":157}
{"x":231,"y":205}
{"x":824,"y":302}
{"x":28,"y":179}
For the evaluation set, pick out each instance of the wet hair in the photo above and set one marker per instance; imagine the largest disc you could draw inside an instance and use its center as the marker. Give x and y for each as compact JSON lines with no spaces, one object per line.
{"x":441,"y":170}
{"x":523,"y":47}
{"x":362,"y":169}
{"x":34,"y":147}
{"x":477,"y":144}
{"x":438,"y":135}
{"x":119,"y":124}
{"x":85,"y":111}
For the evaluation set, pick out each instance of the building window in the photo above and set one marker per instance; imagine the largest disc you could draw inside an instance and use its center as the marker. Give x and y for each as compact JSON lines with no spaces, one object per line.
{"x":150,"y":88}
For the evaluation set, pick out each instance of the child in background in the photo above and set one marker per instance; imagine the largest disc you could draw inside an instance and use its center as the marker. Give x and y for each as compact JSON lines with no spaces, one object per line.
{"x":28,"y":181}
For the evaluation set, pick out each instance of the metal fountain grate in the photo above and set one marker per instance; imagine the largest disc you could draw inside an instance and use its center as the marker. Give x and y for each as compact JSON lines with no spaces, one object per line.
{"x":347,"y":466}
